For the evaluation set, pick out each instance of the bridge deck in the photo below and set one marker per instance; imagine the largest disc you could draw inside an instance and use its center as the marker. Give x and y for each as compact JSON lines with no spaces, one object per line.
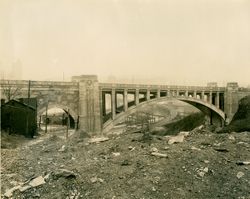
{"x":109,"y":86}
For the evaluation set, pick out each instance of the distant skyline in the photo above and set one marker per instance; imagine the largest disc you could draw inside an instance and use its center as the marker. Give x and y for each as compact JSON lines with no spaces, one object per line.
{"x":159,"y":41}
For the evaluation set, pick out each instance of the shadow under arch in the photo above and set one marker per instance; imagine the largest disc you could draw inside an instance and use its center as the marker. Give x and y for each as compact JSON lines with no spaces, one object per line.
{"x":72,"y":115}
{"x":214,"y":113}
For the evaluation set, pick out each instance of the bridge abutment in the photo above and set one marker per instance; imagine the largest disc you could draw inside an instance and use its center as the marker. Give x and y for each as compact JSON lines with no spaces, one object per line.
{"x":89,"y":104}
{"x":231,"y":100}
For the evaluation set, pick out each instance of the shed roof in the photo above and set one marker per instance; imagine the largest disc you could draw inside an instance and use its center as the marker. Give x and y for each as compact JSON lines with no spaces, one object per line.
{"x":17,"y":102}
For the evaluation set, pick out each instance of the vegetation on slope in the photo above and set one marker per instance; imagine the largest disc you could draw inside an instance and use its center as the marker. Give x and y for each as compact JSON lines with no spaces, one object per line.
{"x":185,"y":124}
{"x":241,"y":119}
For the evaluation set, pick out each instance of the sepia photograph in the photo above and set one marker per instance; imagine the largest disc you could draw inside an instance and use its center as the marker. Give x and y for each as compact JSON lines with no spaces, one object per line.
{"x":125,"y":99}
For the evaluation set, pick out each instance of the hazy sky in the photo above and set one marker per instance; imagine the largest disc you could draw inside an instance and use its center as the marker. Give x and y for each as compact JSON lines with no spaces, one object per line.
{"x":176,"y":41}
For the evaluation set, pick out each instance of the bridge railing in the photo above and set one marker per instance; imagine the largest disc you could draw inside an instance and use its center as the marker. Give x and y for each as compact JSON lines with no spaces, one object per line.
{"x":109,"y":86}
{"x":37,"y":83}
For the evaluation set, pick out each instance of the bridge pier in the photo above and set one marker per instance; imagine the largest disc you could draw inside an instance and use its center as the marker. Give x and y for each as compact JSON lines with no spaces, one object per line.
{"x":217,"y":100}
{"x":125,"y":100}
{"x":202,"y":95}
{"x":210,"y":97}
{"x":231,"y":100}
{"x":136,"y":96}
{"x":113,"y":103}
{"x":89,"y":104}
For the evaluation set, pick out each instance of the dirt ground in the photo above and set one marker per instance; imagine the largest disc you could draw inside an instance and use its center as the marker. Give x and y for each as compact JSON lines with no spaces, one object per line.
{"x":204,"y":165}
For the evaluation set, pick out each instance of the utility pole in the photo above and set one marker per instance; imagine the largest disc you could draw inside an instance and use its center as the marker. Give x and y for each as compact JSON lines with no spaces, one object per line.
{"x":39,"y":124}
{"x":29,"y":93}
{"x":67,"y":130}
{"x":27,"y":113}
{"x":46,"y":115}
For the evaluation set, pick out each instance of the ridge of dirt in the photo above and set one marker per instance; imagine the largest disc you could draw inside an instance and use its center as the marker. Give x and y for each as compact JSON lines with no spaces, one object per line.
{"x":204,"y":165}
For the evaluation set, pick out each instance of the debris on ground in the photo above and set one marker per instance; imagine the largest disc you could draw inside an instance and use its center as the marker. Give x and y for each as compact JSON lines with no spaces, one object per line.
{"x":37,"y":181}
{"x":98,"y":139}
{"x":64,"y":173}
{"x":240,"y":175}
{"x":124,"y":167}
{"x":178,"y":138}
{"x":162,"y":155}
{"x":243,"y":162}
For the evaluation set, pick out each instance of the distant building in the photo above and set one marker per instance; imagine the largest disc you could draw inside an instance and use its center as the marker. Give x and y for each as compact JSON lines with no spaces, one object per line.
{"x":212,"y":84}
{"x":19,"y":118}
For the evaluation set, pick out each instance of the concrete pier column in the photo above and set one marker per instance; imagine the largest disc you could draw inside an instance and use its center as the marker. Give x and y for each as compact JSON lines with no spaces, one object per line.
{"x":113,"y":103}
{"x":177,"y":93}
{"x":148,"y":95}
{"x":169,"y":93}
{"x":186,"y":93}
{"x":195,"y":94}
{"x":210,"y":97}
{"x":136,"y":96}
{"x":158,"y":93}
{"x":103,"y":105}
{"x":202,"y":95}
{"x":125,"y":100}
{"x":217,"y":100}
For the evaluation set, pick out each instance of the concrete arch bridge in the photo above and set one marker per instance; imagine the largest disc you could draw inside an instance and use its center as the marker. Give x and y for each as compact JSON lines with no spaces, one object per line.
{"x":98,"y":106}
{"x":144,"y":97}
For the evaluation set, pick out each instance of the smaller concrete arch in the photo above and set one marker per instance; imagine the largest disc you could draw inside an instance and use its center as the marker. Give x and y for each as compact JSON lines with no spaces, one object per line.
{"x":60,"y":106}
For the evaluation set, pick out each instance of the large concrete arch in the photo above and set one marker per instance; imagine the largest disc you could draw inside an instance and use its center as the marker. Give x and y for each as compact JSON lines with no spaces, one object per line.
{"x":208,"y":109}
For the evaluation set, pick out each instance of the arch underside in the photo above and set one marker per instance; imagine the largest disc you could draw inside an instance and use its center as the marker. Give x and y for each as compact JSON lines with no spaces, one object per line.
{"x":63,"y":107}
{"x":205,"y":107}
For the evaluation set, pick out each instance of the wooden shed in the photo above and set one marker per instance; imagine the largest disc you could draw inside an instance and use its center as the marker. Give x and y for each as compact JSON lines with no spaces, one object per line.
{"x":19,"y":118}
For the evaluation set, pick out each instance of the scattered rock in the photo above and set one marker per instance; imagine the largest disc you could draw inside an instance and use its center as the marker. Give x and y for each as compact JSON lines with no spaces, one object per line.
{"x":37,"y":195}
{"x":100,"y":180}
{"x":46,"y":177}
{"x":24,"y":188}
{"x":162,"y":155}
{"x":98,"y":139}
{"x":125,"y":163}
{"x":217,"y":144}
{"x":201,"y":172}
{"x":37,"y":181}
{"x":242,"y":143}
{"x":195,"y":148}
{"x":176,"y":139}
{"x":201,"y":127}
{"x":116,"y":154}
{"x":154,"y":149}
{"x":243,"y":162}
{"x":240,"y":175}
{"x":221,"y":149}
{"x":205,"y":169}
{"x":62,"y":149}
{"x":185,"y":133}
{"x":166,"y":148}
{"x":231,"y":137}
{"x":64,"y":173}
{"x":9,"y":192}
{"x":95,"y":179}
{"x":131,"y":148}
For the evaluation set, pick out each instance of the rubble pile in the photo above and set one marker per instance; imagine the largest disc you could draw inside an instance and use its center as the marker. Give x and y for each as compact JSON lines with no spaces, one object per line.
{"x":194,"y":164}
